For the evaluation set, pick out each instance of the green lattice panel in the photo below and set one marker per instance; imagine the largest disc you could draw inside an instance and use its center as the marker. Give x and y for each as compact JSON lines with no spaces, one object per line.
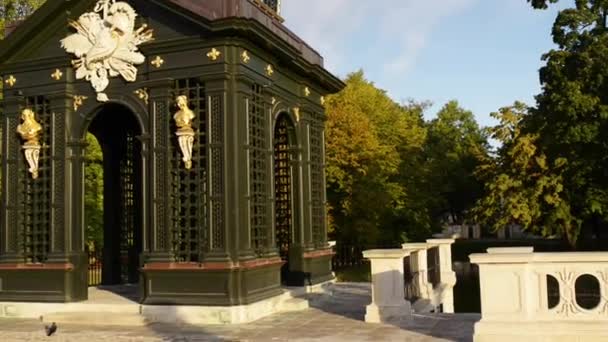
{"x":36,"y":196}
{"x":128,"y":212}
{"x":282,"y":186}
{"x":316,"y":180}
{"x":258,"y":177}
{"x":189,"y":187}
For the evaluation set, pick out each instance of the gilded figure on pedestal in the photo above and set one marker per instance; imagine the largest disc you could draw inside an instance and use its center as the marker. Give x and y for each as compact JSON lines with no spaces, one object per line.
{"x":185,"y":134}
{"x":30,"y":130}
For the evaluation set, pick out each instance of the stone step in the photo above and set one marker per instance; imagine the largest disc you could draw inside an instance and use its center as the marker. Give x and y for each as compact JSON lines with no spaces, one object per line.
{"x":95,"y":318}
{"x":294,"y":304}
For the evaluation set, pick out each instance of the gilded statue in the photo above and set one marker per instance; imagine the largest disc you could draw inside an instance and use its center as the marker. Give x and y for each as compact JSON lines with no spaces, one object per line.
{"x":185,"y":133}
{"x":30,"y":131}
{"x":106,"y":44}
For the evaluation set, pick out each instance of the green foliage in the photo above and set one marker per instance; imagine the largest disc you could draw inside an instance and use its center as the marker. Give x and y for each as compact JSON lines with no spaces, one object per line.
{"x":523,"y":185}
{"x":366,"y":134}
{"x":93,"y":195}
{"x":13,"y":10}
{"x":550,"y":174}
{"x":541,"y":4}
{"x":454,"y":148}
{"x":391,"y":177}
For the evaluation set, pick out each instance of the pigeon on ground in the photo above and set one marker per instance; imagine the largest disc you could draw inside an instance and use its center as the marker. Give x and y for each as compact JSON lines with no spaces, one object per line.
{"x":50,"y":329}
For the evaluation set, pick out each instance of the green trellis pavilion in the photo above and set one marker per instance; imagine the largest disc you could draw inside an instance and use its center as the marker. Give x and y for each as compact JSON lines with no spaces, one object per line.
{"x":210,"y":118}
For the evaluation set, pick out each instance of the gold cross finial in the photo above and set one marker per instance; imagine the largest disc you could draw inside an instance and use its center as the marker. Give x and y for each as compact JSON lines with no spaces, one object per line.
{"x":245,"y":57}
{"x":57,"y":75}
{"x":10,"y":81}
{"x":78,"y":100}
{"x":157,"y":62}
{"x":142,"y":94}
{"x":269,"y":70}
{"x":214,"y":54}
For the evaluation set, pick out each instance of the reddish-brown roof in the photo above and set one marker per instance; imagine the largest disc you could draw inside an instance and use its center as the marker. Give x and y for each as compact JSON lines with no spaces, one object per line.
{"x":250,"y":9}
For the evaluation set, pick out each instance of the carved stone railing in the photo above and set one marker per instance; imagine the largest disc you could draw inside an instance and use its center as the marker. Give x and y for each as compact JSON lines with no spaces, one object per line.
{"x":431,"y":282}
{"x":527,"y":296}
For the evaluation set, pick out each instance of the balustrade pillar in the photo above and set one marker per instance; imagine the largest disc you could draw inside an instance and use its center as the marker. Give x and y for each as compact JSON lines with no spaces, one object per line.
{"x":447,"y":277}
{"x":388,"y":293}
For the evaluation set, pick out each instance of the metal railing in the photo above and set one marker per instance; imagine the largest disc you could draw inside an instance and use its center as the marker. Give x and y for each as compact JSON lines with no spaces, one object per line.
{"x":95,"y":267}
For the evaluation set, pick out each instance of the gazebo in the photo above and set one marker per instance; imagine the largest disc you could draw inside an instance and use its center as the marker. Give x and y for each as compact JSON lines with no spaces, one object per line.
{"x":211,"y":121}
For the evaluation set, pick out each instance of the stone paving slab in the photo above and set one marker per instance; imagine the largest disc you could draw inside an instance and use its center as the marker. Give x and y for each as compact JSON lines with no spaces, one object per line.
{"x":337,"y":316}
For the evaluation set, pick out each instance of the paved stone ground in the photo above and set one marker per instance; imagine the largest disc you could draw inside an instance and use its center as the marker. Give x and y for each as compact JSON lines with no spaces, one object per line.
{"x":337,"y":316}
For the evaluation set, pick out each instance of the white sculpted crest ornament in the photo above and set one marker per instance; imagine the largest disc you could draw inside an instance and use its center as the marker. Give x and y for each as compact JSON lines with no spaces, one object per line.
{"x":106,"y":45}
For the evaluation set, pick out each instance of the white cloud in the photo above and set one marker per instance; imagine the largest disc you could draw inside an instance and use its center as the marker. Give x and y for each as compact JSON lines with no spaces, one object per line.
{"x":394,"y":31}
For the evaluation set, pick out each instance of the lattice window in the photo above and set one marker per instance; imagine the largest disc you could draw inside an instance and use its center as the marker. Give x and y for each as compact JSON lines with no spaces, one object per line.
{"x":316,"y":180}
{"x":217,"y":165}
{"x":1,"y":141}
{"x":282,"y":186}
{"x":258,"y":177}
{"x":189,"y":187}
{"x":127,"y":221}
{"x":36,"y":197}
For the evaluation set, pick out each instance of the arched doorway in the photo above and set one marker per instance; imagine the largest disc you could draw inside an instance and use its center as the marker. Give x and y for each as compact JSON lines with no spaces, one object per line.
{"x":284,"y":180}
{"x":117,"y":130}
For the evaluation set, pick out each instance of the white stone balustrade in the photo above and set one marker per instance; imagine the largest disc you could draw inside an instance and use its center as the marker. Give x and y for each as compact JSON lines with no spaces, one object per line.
{"x":527,"y":296}
{"x":419,"y":288}
{"x":429,"y":297}
{"x":447,"y":277}
{"x":388,"y":296}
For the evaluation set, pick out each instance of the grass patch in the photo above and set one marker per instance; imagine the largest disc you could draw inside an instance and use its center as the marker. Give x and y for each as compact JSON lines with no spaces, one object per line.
{"x":354,"y":274}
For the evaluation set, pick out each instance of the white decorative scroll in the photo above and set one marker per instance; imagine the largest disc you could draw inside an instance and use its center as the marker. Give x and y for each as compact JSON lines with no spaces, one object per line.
{"x":106,"y":45}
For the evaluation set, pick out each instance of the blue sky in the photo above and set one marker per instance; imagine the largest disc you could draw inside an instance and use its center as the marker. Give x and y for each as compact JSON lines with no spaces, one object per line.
{"x":483,"y":53}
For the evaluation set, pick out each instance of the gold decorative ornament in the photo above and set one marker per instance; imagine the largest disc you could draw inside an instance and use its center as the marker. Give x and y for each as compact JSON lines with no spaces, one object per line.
{"x":142,"y":94}
{"x":57,"y":75}
{"x":10,"y":81}
{"x":269,"y":70}
{"x":245,"y":57}
{"x":78,"y":101}
{"x":214,"y":54}
{"x":296,"y":113}
{"x":30,"y":130}
{"x":157,"y":62}
{"x":322,"y":100}
{"x":306,"y":92}
{"x":185,"y":134}
{"x":273,"y":100}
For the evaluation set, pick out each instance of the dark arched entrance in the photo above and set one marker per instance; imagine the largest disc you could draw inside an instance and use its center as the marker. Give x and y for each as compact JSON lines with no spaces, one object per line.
{"x":117,"y":130}
{"x":284,"y":179}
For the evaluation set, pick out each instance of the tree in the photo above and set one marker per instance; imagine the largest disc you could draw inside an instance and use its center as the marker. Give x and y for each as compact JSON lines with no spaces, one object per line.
{"x":367,"y":133}
{"x":454,"y":147}
{"x":14,"y":10}
{"x":523,"y":185}
{"x":93,"y":193}
{"x":541,"y":4}
{"x":571,"y":116}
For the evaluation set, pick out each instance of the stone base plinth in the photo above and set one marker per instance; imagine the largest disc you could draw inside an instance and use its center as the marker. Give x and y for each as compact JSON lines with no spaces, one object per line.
{"x":110,"y":309}
{"x":387,"y":314}
{"x":553,"y":331}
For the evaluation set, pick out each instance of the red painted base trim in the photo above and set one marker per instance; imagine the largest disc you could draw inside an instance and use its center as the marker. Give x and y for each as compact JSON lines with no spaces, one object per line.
{"x":318,"y":254}
{"x":36,"y":267}
{"x":212,"y":266}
